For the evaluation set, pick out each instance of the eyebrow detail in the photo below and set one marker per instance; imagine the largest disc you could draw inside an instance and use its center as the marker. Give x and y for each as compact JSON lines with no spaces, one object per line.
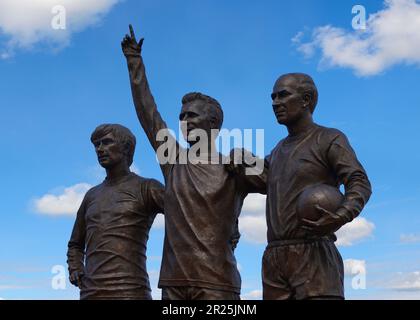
{"x":188,"y":112}
{"x":106,"y":140}
{"x":282,"y":93}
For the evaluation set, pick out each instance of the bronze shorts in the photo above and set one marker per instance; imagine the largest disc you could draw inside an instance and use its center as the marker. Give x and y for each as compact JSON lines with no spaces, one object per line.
{"x":302,"y":269}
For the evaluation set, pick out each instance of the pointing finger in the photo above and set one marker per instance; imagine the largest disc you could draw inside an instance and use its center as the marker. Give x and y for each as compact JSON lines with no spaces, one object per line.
{"x":133,"y":36}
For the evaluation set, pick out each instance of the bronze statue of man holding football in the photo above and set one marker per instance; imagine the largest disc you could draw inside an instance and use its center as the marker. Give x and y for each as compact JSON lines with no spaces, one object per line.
{"x":304,"y":204}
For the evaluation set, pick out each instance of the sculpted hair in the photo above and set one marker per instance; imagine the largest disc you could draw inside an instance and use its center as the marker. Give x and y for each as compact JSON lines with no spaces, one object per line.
{"x":213,"y":105}
{"x":123,"y":136}
{"x":305,"y":84}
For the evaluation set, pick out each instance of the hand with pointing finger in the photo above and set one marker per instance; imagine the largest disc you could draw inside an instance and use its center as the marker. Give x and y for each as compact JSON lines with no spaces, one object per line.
{"x":130,"y":46}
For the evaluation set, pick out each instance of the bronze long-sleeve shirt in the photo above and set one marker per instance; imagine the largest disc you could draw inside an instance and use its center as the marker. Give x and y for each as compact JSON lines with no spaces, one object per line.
{"x":319,"y":156}
{"x":109,"y":238}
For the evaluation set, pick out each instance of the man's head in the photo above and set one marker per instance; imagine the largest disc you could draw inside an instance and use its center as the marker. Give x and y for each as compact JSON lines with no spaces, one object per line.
{"x":113,"y":143}
{"x":294,"y":96}
{"x":200,"y":112}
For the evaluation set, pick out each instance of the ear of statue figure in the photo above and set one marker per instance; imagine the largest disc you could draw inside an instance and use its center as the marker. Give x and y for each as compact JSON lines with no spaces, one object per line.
{"x":307,"y":100}
{"x":213,"y":122}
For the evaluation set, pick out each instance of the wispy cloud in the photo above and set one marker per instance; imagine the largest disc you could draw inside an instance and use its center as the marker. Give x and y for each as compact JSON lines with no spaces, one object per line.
{"x":27,"y":23}
{"x":394,"y":295}
{"x":18,"y":281}
{"x":406,"y":281}
{"x":410,"y":238}
{"x":13,"y":287}
{"x":391,"y":37}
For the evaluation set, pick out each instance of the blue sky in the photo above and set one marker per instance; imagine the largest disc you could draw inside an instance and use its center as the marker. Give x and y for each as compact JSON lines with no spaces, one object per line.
{"x":58,"y":85}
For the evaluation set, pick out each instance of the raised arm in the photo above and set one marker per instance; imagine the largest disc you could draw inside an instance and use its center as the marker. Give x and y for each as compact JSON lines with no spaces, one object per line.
{"x":146,"y":109}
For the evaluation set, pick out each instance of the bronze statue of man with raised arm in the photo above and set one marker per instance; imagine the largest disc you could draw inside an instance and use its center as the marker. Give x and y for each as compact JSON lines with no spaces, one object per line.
{"x":203,"y":198}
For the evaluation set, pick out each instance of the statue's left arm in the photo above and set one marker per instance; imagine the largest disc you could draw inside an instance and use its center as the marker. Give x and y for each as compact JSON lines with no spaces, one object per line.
{"x":155,"y":194}
{"x":344,"y":164}
{"x":352,"y":175}
{"x":250,"y":171}
{"x":251,"y":177}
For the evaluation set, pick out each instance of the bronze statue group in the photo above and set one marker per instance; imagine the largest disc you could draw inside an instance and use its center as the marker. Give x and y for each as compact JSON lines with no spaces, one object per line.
{"x":202,"y":200}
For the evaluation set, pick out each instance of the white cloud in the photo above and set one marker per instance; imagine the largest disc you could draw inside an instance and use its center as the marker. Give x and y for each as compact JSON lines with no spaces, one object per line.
{"x":252,"y":223}
{"x":154,"y":279}
{"x":156,"y":293}
{"x":253,"y":295}
{"x":353,"y":232}
{"x":27,"y":23}
{"x":253,"y":229}
{"x":406,"y":281}
{"x":394,"y":295}
{"x":66,"y":203}
{"x":159,"y":222}
{"x":391,"y":37}
{"x":353,"y":266}
{"x":410,"y":238}
{"x":297,"y":39}
{"x":254,"y":204}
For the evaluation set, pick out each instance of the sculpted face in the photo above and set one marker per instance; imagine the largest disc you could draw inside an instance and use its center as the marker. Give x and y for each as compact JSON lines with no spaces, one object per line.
{"x":109,"y":151}
{"x":288,"y":103}
{"x":197,"y":116}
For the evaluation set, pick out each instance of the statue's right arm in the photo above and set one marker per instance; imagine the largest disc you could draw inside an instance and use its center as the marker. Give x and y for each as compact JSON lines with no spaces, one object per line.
{"x":150,"y":119}
{"x":76,"y":247}
{"x":146,"y":109}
